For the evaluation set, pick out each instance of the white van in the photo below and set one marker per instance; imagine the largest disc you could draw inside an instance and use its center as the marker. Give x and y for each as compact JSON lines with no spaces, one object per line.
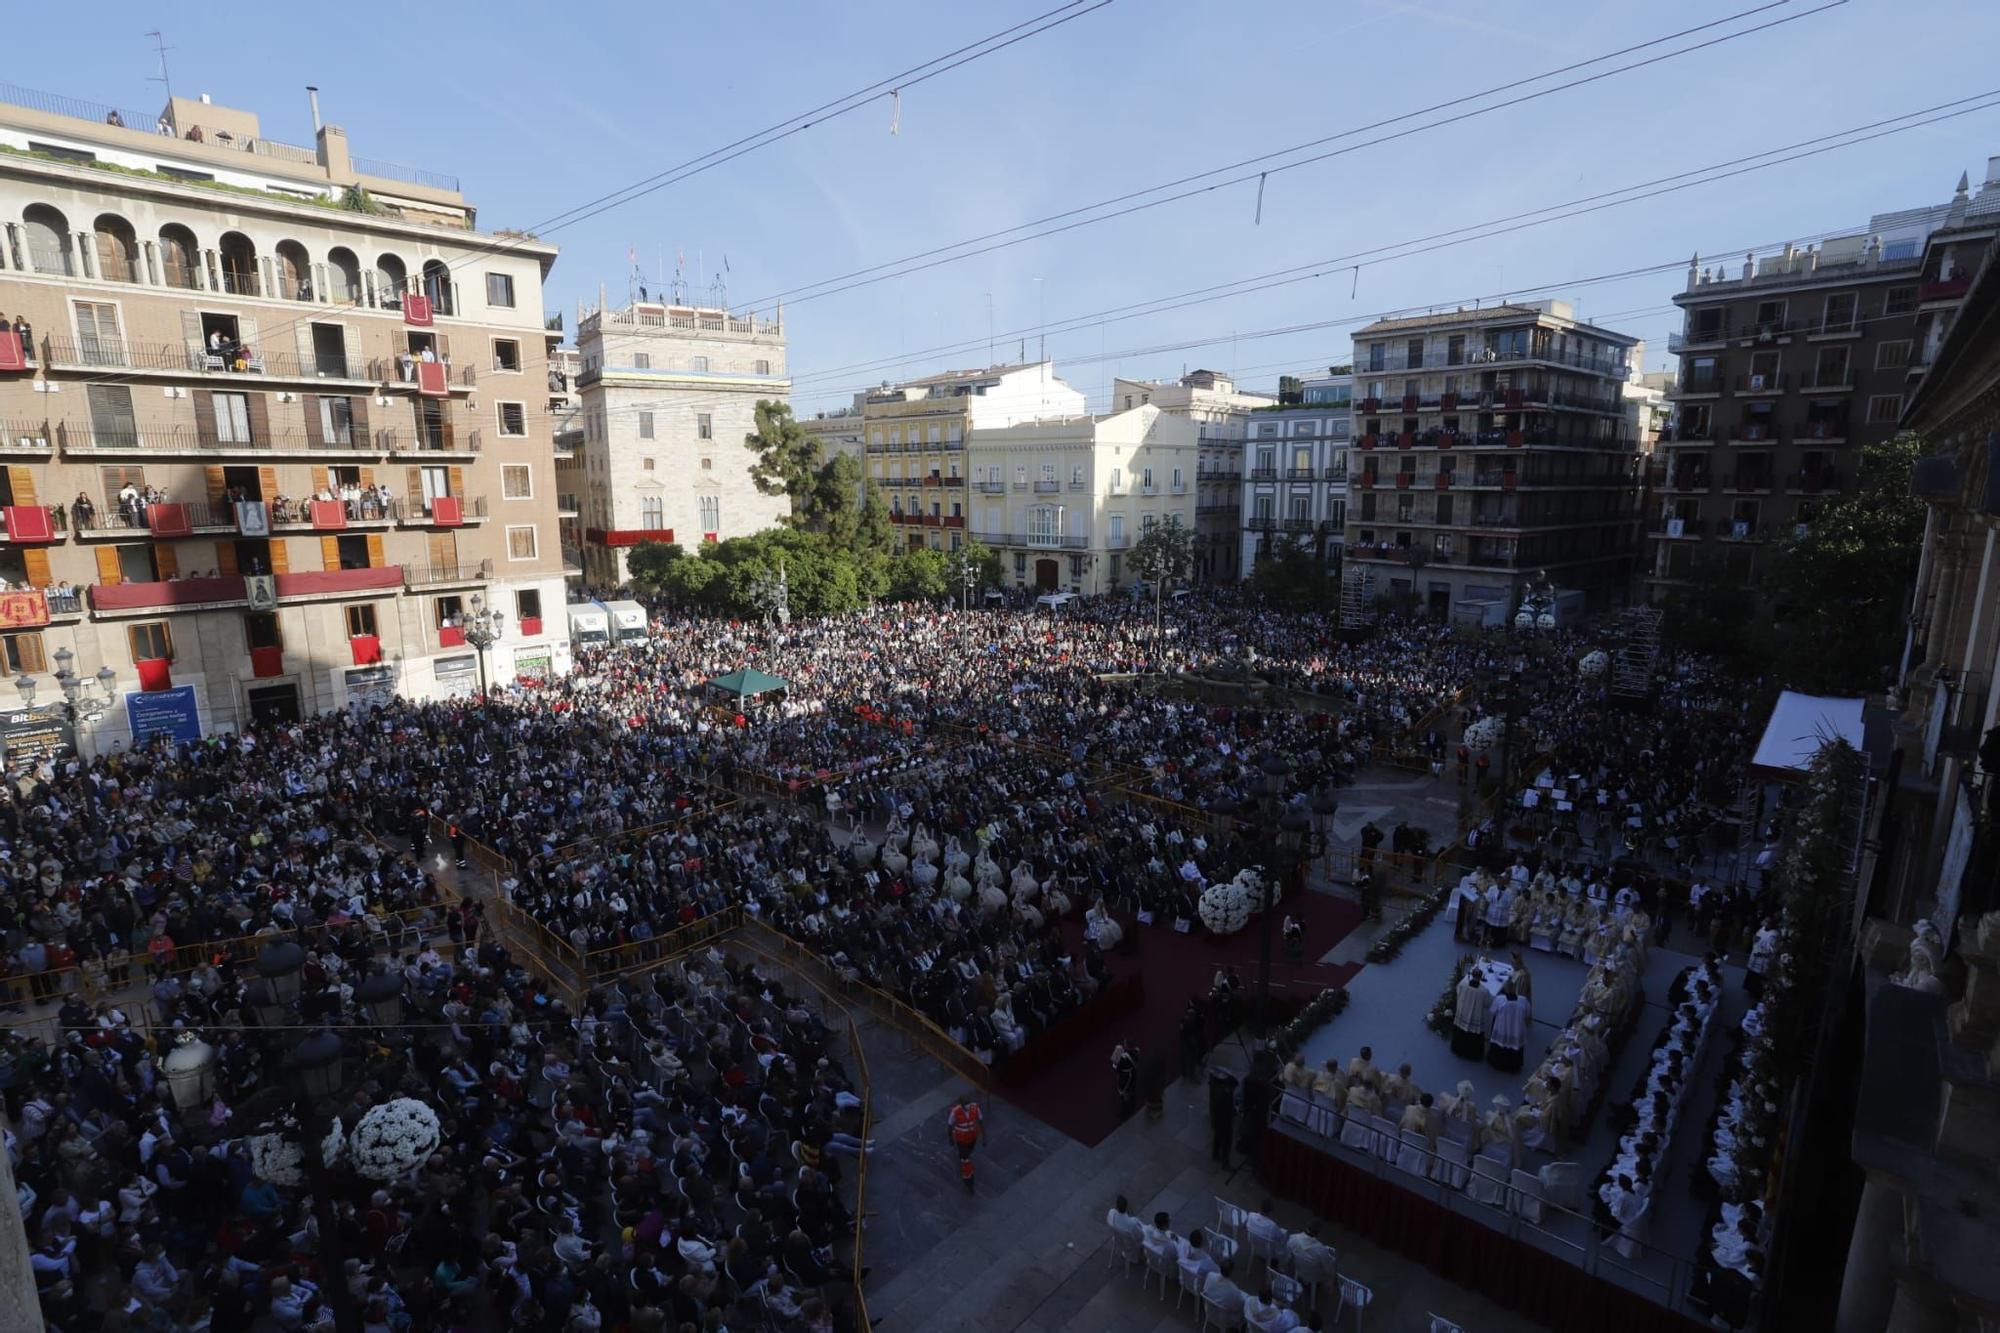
{"x":589,"y":625}
{"x":628,"y":623}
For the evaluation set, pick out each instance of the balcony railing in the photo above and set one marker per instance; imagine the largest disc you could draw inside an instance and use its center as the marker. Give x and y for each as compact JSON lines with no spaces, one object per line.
{"x":403,"y":370}
{"x":1821,"y":430}
{"x":1263,"y":474}
{"x":992,"y":487}
{"x":1813,"y":481}
{"x":1948,"y":289}
{"x":1047,"y":486}
{"x":471,"y":508}
{"x":1748,"y":481}
{"x":127,"y":437}
{"x":428,"y":442}
{"x":110,"y":519}
{"x":1776,"y":382}
{"x":192,"y":359}
{"x":447,"y":572}
{"x":31,"y":437}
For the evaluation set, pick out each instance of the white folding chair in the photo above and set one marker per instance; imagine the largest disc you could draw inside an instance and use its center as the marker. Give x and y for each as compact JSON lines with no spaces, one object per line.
{"x":1295,"y":1107}
{"x":1214,"y":1316}
{"x":1228,"y":1218}
{"x":1439,"y":1324}
{"x":1352,"y":1294}
{"x":1633,"y":1234}
{"x":1190,"y":1285}
{"x":1562,"y":1184}
{"x":1127,"y":1249}
{"x":1286,"y":1291}
{"x":1452,"y":1164}
{"x":1413,"y":1153}
{"x":1223,"y":1247}
{"x":1388,"y":1137}
{"x":1354,"y":1133}
{"x":1159,"y":1264}
{"x":1525,"y":1198}
{"x":1270,"y":1246}
{"x":1323,"y":1120}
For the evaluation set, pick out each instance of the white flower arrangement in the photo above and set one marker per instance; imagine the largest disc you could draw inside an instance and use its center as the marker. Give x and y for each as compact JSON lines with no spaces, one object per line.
{"x":394,"y":1139}
{"x":1593,"y":664}
{"x":1486,"y":733}
{"x":281,"y":1160}
{"x":1225,"y":907}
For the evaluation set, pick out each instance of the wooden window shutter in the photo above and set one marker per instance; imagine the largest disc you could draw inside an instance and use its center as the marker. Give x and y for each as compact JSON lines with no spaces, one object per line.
{"x":444,"y":551}
{"x":225,"y":559}
{"x":22,"y":480}
{"x":204,"y":417}
{"x":367,"y":478}
{"x":443,"y":346}
{"x":320,"y":481}
{"x":457,"y":476}
{"x":109,"y":573}
{"x":281,"y":560}
{"x":315,"y":434}
{"x":166,"y":562}
{"x":260,"y":419}
{"x":191,"y":332}
{"x":35,"y":560}
{"x":375,"y":559}
{"x":267,"y":483}
{"x":329,"y":553}
{"x":362,"y":439}
{"x":413,"y":488}
{"x":218,"y":487}
{"x":444,"y":426}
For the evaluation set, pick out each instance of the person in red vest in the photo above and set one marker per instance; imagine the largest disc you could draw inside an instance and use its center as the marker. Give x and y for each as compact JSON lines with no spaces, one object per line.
{"x":965,"y":1122}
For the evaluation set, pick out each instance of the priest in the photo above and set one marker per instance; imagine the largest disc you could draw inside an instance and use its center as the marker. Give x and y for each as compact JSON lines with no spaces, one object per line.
{"x":1468,"y":1029}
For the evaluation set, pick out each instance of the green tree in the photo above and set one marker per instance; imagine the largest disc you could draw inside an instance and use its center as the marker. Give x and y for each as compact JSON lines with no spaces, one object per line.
{"x":649,"y":561}
{"x":1291,"y":575}
{"x":846,"y":506}
{"x":1840,"y":590}
{"x":921,"y":574}
{"x":1163,"y":555}
{"x":788,"y":458}
{"x":983,"y":562}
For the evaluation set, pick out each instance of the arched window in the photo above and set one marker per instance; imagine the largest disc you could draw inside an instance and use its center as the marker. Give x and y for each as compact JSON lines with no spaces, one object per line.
{"x":294,"y":275}
{"x":391,"y":280}
{"x":239,"y":264}
{"x":180,"y":264}
{"x":49,"y":249}
{"x":652,"y":513}
{"x":344,"y":271}
{"x":437,"y":286}
{"x":117,"y":249}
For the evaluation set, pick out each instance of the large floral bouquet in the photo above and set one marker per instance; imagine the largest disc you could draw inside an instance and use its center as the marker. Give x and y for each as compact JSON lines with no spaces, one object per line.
{"x":394,"y":1139}
{"x":281,"y":1159}
{"x":1391,"y":941}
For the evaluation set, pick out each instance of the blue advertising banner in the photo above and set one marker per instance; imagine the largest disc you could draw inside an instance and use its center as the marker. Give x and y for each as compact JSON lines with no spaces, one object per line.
{"x":176,"y":712}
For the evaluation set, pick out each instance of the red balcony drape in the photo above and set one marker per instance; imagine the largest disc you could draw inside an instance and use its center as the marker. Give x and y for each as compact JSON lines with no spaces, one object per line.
{"x":168,"y":520}
{"x":30,"y":523}
{"x":329,"y":514}
{"x":155,"y":674}
{"x":431,"y":379}
{"x":446,"y":511}
{"x":267,"y":662}
{"x":451,"y":636}
{"x":12,"y":357}
{"x":367,"y":649}
{"x":417,"y":310}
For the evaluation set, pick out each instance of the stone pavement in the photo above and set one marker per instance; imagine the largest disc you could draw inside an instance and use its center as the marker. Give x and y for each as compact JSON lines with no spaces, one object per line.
{"x":1030,"y":1253}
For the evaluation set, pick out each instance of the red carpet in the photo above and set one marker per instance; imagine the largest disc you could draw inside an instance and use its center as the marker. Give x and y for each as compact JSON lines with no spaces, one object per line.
{"x":1076,"y":1093}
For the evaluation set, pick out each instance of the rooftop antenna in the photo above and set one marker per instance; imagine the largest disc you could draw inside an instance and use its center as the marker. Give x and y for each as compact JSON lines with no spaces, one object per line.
{"x":1042,"y":348}
{"x":989,"y":328}
{"x":160,"y":46}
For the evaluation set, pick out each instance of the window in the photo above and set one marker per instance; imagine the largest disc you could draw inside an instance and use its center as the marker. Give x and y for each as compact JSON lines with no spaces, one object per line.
{"x":700,"y":366}
{"x":1890,"y":355}
{"x":652,"y":513}
{"x":521,"y":543}
{"x":642,"y":360}
{"x":1117,"y":480}
{"x":232,"y":418}
{"x":151,"y":642}
{"x":1702,"y":376}
{"x":645,"y":425}
{"x":448,"y":611}
{"x":528,"y":604}
{"x":513,"y":419}
{"x":711,"y":513}
{"x":763,"y":367}
{"x":260,"y":630}
{"x":1076,"y":477}
{"x":506,"y":354}
{"x":516,"y":482}
{"x":1044,"y":524}
{"x":336,"y":420}
{"x":1020,"y":564}
{"x":646,"y":464}
{"x":23,"y":653}
{"x":707,"y":463}
{"x":1832,"y":370}
{"x":97,"y":334}
{"x":1180,"y":480}
{"x":1145,"y":479}
{"x":361,"y":620}
{"x":1885,"y":408}
{"x":1839,"y":313}
{"x":704,"y":426}
{"x":1899,"y":300}
{"x":500,"y":289}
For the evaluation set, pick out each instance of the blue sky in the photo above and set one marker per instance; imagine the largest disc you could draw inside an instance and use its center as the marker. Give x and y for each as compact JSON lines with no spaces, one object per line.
{"x":537,"y":110}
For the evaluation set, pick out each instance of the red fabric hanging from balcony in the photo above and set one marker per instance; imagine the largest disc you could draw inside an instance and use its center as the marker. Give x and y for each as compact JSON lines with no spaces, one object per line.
{"x":417,"y":310}
{"x":169,"y":520}
{"x":446,"y":511}
{"x":329,"y":514}
{"x":30,"y":523}
{"x":367,"y":649}
{"x":267,"y":662}
{"x":451,"y":636}
{"x":12,"y":356}
{"x":431,"y":379}
{"x":155,"y":674}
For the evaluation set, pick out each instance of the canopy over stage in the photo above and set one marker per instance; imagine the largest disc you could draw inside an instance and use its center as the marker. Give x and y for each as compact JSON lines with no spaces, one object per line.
{"x":744,"y":682}
{"x":1800,"y":724}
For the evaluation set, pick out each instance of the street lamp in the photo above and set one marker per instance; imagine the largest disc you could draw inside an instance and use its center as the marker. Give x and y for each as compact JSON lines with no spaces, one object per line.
{"x":190,"y":1071}
{"x":968,"y":577}
{"x":483,"y":627}
{"x":25,"y":683}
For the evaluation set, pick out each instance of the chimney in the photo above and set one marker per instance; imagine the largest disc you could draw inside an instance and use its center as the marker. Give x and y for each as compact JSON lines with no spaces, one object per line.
{"x":1992,"y":175}
{"x":312,"y":95}
{"x":1750,"y":264}
{"x":206,"y":100}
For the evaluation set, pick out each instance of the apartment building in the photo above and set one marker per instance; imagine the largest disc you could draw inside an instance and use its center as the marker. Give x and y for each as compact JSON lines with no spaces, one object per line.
{"x":841,"y":431}
{"x":916,"y":432}
{"x":667,"y":394}
{"x":276,"y":431}
{"x":1295,"y":486}
{"x":1221,"y":413}
{"x":1790,"y":365}
{"x":1490,"y":446}
{"x":1062,"y":501}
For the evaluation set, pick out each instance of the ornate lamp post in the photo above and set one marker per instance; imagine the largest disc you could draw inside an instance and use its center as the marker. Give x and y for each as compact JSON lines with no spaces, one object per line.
{"x":968,"y":578}
{"x":483,"y":627}
{"x":1288,"y":834}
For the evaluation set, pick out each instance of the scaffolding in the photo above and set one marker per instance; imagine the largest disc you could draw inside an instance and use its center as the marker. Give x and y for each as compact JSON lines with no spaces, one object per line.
{"x":1357,"y":598}
{"x":1638,"y":654}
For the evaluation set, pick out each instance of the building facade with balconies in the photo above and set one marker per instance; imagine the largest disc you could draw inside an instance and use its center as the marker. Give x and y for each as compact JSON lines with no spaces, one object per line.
{"x":914,"y":437}
{"x":266,"y":442}
{"x":1789,"y":366}
{"x":1294,"y":487}
{"x":1221,"y":413}
{"x":667,"y":396}
{"x":1490,"y":445}
{"x":1062,"y":502}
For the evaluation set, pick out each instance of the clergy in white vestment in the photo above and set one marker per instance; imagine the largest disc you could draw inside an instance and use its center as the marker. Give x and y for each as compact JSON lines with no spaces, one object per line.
{"x":1468,"y":1031}
{"x":1507,"y":1031}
